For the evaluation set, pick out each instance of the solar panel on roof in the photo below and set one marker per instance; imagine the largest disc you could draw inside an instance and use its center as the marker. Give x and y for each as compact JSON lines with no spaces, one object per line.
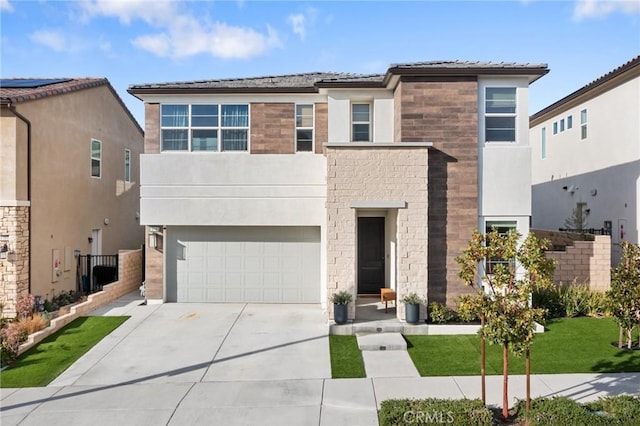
{"x":29,"y":83}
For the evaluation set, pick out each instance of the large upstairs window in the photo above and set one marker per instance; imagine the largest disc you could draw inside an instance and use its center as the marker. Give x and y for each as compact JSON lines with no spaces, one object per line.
{"x":204,"y":127}
{"x":500,"y":114}
{"x":304,"y":128}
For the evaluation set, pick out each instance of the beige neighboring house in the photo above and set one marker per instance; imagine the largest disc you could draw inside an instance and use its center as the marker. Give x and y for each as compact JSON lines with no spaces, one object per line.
{"x":69,"y":151}
{"x":290,"y":188}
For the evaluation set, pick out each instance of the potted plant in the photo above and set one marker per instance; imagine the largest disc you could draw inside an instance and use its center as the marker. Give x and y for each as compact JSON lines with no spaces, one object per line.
{"x":412,"y":307}
{"x":341,"y":301}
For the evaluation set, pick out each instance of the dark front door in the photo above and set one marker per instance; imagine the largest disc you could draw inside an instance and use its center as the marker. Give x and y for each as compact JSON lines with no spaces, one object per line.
{"x":370,"y":255}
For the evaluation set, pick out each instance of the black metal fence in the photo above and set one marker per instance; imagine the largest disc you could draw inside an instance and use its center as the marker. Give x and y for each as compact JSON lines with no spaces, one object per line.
{"x":591,"y":231}
{"x":93,"y":272}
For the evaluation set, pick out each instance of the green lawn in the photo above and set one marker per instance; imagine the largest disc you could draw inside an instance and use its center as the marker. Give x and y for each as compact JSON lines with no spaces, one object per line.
{"x":346,"y":358}
{"x":569,"y":345}
{"x":48,"y":359}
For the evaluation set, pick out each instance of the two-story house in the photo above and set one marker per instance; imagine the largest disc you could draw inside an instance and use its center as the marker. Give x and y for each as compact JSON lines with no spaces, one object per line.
{"x":586,"y":158}
{"x":289,"y":188}
{"x":69,"y":152}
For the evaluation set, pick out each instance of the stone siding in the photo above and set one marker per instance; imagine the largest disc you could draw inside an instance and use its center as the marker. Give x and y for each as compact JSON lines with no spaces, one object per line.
{"x":376,"y":174}
{"x":321,"y":127}
{"x":154,"y":276}
{"x":445,"y":113}
{"x":129,"y":279}
{"x":151,"y":128}
{"x":14,"y":268}
{"x":273,"y":128}
{"x":584,"y":262}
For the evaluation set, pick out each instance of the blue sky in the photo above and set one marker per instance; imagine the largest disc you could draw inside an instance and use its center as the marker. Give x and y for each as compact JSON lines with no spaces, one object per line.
{"x":157,"y":41}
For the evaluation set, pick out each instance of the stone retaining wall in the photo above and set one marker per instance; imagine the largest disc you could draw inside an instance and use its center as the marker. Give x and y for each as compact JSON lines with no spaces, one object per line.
{"x":130,"y":278}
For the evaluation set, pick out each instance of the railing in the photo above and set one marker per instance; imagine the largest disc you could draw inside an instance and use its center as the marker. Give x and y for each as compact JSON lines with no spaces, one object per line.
{"x":93,"y":272}
{"x":591,"y":231}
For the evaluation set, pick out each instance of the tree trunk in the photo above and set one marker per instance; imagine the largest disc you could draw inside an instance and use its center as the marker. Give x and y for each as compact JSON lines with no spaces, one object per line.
{"x":528,"y":374}
{"x":505,"y":383}
{"x":629,"y":337}
{"x":620,"y":338}
{"x":483,"y":363}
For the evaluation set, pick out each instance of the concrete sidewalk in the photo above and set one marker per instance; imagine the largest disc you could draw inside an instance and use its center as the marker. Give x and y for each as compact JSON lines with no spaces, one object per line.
{"x":237,"y":364}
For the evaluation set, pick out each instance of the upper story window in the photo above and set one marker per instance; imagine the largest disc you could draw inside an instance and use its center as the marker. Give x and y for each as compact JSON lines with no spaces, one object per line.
{"x":583,"y":124}
{"x":127,"y":165}
{"x":543,"y":142}
{"x":200,"y":127}
{"x":569,"y":122}
{"x":304,"y":128}
{"x":500,"y":114}
{"x":562,"y":125}
{"x":555,"y":127}
{"x":96,"y":158}
{"x":361,"y":122}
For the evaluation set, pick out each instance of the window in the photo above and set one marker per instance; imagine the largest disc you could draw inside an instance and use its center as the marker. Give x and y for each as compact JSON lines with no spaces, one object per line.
{"x":96,"y":158}
{"x":361,"y":122}
{"x":500,"y":114}
{"x":210,"y":127}
{"x":304,"y":128}
{"x":583,"y":124}
{"x":127,"y":165}
{"x":569,"y":122}
{"x":502,"y":228}
{"x":543,"y":143}
{"x":562,"y":125}
{"x":555,"y":127}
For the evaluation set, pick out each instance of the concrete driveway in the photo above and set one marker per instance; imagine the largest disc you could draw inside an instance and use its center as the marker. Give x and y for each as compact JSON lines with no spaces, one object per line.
{"x":187,"y":343}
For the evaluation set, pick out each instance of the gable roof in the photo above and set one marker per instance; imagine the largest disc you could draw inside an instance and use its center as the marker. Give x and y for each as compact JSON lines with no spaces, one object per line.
{"x":15,"y":95}
{"x":612,"y":79}
{"x":311,"y":82}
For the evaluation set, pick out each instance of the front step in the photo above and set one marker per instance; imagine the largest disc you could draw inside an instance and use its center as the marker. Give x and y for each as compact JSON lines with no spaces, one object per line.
{"x":381,"y":342}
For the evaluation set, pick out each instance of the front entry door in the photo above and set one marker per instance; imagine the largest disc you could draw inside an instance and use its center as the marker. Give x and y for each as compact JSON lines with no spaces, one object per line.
{"x":370,"y":255}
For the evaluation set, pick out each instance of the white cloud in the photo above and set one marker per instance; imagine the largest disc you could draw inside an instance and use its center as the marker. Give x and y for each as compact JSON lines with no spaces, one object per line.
{"x":58,"y":41}
{"x":180,"y":34}
{"x":585,"y":9}
{"x":297,"y":24}
{"x":5,"y":6}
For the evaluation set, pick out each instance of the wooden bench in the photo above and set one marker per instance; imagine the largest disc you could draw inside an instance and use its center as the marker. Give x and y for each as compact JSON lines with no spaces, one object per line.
{"x":387,"y":295}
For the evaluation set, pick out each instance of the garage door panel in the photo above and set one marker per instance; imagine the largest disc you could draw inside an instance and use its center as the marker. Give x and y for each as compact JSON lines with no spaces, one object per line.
{"x":261,"y":264}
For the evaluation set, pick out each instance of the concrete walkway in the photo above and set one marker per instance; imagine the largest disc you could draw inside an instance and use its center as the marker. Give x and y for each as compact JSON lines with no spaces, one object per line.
{"x":272,"y":381}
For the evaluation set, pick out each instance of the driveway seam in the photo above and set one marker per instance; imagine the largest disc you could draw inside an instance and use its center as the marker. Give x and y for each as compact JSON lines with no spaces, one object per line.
{"x":173,"y":413}
{"x":222,"y":343}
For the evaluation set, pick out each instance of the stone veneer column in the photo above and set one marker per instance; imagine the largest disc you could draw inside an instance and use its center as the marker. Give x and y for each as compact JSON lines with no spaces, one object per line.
{"x":14,"y":269}
{"x":154,"y":275}
{"x":444,"y":111}
{"x":273,"y":128}
{"x":376,"y":173}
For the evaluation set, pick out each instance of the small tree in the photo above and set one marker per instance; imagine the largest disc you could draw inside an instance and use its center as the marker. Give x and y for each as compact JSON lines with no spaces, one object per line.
{"x":624,"y":296}
{"x":578,"y":218}
{"x":508,"y":318}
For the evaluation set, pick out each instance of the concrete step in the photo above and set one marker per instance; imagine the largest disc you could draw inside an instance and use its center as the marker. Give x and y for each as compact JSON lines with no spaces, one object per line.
{"x":381,"y":342}
{"x":389,"y":364}
{"x":378,"y":327}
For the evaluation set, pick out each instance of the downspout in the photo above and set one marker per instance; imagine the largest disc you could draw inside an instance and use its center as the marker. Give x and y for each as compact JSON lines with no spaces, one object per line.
{"x":24,"y":119}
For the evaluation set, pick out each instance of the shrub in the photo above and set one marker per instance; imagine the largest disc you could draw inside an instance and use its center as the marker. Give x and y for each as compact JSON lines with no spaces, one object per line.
{"x":598,"y":304}
{"x":558,"y":411}
{"x":621,"y":407}
{"x":575,"y":299}
{"x":548,"y":298}
{"x":25,"y":306}
{"x":342,"y":297}
{"x":411,"y":299}
{"x":467,"y":308}
{"x":34,"y":323}
{"x":461,"y":412}
{"x":10,"y":339}
{"x":439,"y":313}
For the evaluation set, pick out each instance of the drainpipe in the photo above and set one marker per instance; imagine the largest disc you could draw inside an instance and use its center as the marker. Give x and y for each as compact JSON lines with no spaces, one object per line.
{"x":12,"y":108}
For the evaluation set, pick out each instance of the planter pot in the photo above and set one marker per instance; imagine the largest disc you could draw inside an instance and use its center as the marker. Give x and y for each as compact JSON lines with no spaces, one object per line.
{"x":340,"y":313}
{"x":412,"y":313}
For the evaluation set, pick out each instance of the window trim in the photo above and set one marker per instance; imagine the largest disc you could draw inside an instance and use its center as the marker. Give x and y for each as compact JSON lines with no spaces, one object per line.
{"x":312,"y":128}
{"x":219,"y":128}
{"x":127,"y":165}
{"x":513,"y":115}
{"x":584,"y":119}
{"x":98,"y":159}
{"x":369,"y":123}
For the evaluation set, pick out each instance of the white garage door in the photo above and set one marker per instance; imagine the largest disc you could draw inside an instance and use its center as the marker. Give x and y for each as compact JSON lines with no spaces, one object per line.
{"x":249,"y":264}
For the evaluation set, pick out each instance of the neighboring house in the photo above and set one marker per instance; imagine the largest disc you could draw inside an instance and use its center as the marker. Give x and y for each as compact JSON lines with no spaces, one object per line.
{"x":69,"y":151}
{"x":290,"y":188}
{"x":586,"y":158}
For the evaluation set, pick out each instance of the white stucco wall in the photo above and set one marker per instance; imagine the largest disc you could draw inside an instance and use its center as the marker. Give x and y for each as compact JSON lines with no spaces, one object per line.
{"x":233,"y":189}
